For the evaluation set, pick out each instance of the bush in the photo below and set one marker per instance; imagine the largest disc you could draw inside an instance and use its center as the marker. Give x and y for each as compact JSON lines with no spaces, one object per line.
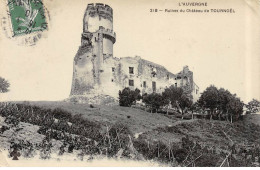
{"x":207,"y":160}
{"x":153,"y":100}
{"x":61,"y":114}
{"x":117,"y":138}
{"x":180,"y":155}
{"x":42,"y":130}
{"x":128,"y":97}
{"x":4,"y":128}
{"x":142,"y":147}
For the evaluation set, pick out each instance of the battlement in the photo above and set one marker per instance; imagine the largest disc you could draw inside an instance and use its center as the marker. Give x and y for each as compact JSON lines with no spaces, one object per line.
{"x":100,"y":9}
{"x":108,"y":33}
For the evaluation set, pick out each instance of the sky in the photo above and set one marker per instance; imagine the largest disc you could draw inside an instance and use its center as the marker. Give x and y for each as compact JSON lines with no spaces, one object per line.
{"x":220,"y":48}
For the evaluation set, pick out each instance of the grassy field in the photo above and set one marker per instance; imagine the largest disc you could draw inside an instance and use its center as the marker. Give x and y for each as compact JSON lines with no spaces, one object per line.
{"x":137,"y":120}
{"x":155,"y":126}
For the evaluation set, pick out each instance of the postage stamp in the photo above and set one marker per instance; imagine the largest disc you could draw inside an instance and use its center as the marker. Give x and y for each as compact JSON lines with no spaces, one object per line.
{"x":27,"y":16}
{"x":25,"y":21}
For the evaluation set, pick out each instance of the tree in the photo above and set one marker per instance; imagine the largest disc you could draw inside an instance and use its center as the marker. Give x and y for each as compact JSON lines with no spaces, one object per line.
{"x":4,"y":85}
{"x":183,"y":104}
{"x":127,"y":97}
{"x":209,"y":99}
{"x":222,"y":101}
{"x":224,"y":98}
{"x":234,"y":107}
{"x":194,"y":108}
{"x":154,"y":100}
{"x":253,"y":106}
{"x":177,"y":97}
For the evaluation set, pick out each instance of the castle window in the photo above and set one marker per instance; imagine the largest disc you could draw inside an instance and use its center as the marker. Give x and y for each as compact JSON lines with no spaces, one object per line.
{"x":175,"y":84}
{"x":196,"y":91}
{"x":167,"y":76}
{"x":112,"y":80}
{"x":131,"y":70}
{"x":131,"y":82}
{"x":113,"y":69}
{"x":144,"y":84}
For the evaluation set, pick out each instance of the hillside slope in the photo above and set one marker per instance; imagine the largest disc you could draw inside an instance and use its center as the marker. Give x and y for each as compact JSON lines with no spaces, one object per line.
{"x":155,"y":133}
{"x":137,"y":120}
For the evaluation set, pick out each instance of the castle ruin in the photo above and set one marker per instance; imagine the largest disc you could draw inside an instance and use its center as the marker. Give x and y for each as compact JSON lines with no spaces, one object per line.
{"x":98,"y":75}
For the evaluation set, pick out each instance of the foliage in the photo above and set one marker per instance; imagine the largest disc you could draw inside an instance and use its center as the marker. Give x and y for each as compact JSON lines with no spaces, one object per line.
{"x":224,"y":98}
{"x":80,"y":136}
{"x":235,"y":107}
{"x":253,"y":106}
{"x":222,"y":102}
{"x":61,"y":114}
{"x":209,"y":98}
{"x":184,"y":102}
{"x":4,"y":85}
{"x":116,"y":138}
{"x":154,"y":100}
{"x":177,"y":97}
{"x":127,"y":97}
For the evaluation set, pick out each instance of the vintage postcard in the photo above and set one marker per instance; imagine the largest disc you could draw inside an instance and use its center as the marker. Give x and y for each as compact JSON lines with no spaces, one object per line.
{"x":171,"y":83}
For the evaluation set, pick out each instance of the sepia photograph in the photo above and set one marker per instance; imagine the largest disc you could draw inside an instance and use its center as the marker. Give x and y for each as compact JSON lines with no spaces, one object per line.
{"x":140,"y":83}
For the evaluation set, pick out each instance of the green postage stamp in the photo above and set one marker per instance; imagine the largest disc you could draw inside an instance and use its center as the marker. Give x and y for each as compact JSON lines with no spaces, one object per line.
{"x":27,"y":16}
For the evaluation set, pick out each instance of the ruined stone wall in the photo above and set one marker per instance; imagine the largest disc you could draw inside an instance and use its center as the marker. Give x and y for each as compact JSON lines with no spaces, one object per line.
{"x":83,"y":79}
{"x":154,"y":75}
{"x":125,"y":63}
{"x":96,"y":73}
{"x":184,"y":79}
{"x":195,"y":93}
{"x":96,"y":45}
{"x":144,"y":75}
{"x":110,"y":77}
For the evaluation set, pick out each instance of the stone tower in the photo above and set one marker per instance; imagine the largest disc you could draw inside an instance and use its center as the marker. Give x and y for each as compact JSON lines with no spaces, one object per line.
{"x":97,"y":42}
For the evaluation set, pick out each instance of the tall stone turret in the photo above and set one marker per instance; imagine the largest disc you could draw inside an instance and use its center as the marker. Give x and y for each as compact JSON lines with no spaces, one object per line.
{"x":97,"y":42}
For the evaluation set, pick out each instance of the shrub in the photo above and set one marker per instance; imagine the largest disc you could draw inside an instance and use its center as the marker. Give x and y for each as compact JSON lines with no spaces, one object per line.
{"x":117,"y":138}
{"x":154,"y":100}
{"x":180,"y":155}
{"x":142,"y":147}
{"x":4,"y":128}
{"x":61,"y":114}
{"x":127,"y":97}
{"x":42,"y":130}
{"x":207,"y":160}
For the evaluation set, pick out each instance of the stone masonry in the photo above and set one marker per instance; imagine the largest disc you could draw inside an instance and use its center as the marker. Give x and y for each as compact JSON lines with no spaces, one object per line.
{"x":98,"y":75}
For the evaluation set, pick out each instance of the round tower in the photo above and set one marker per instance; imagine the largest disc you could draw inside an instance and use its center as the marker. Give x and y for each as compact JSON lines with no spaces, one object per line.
{"x":97,"y":41}
{"x":98,"y":18}
{"x":97,"y":15}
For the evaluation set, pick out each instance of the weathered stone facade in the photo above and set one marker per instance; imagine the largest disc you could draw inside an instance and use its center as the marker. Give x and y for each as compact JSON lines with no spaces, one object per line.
{"x":96,"y":72}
